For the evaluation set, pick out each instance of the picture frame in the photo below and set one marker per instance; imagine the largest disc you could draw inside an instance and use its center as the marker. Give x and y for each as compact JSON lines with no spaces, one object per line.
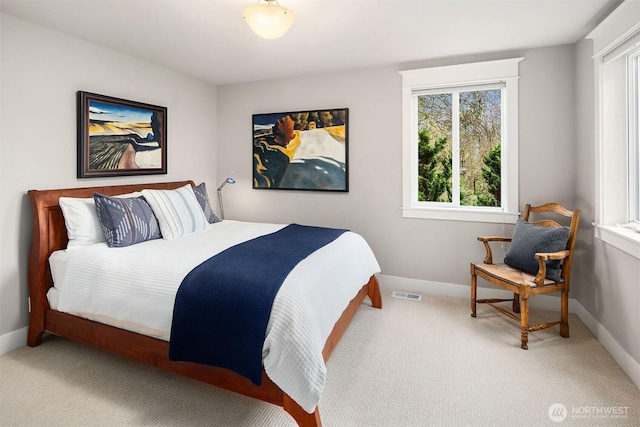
{"x":301,"y":150}
{"x":118,"y":137}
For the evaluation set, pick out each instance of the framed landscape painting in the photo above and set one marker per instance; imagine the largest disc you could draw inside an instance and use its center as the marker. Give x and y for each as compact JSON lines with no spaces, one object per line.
{"x":117,"y":137}
{"x":301,"y":150}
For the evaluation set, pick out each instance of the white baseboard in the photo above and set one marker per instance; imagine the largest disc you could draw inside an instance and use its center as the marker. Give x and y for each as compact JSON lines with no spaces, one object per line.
{"x":13,"y":340}
{"x":544,"y":302}
{"x":629,"y":365}
{"x":619,"y":354}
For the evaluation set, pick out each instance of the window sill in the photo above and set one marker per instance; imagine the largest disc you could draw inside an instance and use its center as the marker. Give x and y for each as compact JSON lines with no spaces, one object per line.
{"x":461,"y":214}
{"x":622,"y":238}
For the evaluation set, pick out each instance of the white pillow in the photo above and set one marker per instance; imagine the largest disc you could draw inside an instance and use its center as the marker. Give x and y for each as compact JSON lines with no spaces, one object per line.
{"x":178,"y":211}
{"x":82,"y":222}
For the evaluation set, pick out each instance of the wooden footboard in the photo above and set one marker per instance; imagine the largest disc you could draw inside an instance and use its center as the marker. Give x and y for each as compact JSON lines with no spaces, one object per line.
{"x":49,"y":235}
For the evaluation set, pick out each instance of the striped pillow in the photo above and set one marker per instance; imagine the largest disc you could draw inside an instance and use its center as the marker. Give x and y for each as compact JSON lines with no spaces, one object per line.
{"x":126,"y":221}
{"x":178,"y":211}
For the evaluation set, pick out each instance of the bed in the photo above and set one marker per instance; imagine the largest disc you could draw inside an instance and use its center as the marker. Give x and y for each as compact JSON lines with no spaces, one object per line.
{"x":50,"y":235}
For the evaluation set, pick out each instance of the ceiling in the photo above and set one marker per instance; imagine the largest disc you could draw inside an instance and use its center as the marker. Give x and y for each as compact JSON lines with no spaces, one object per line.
{"x":208,"y":39}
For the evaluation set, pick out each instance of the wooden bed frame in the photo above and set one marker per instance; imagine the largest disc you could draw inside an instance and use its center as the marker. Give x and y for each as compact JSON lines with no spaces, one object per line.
{"x":50,"y":234}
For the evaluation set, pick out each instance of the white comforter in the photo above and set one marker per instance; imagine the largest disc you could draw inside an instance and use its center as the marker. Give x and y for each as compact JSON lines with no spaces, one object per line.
{"x":134,"y":288}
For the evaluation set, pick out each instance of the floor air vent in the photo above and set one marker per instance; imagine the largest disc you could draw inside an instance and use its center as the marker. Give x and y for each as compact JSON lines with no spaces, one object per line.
{"x":406,"y":295}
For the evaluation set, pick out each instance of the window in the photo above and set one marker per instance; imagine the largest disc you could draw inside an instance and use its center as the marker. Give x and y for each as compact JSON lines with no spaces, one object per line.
{"x":634,"y":134}
{"x":460,"y":142}
{"x":459,"y":146}
{"x":617,"y":72}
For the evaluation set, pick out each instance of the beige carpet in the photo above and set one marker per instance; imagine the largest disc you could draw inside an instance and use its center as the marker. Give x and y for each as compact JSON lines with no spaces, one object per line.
{"x":412,"y":363}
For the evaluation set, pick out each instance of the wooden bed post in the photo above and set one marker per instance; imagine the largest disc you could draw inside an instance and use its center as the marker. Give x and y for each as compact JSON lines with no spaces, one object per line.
{"x":373,"y":290}
{"x":302,"y":417}
{"x":38,"y":273}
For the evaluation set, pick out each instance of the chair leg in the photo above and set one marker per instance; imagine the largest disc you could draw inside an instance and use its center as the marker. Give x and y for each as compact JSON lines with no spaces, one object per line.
{"x":474,"y":285}
{"x":516,"y":303}
{"x":564,"y":314}
{"x":524,"y":324}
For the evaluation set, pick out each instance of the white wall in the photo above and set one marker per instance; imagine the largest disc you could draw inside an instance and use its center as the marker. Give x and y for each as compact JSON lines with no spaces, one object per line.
{"x":413,"y":248}
{"x":41,"y":71}
{"x":607,"y":279}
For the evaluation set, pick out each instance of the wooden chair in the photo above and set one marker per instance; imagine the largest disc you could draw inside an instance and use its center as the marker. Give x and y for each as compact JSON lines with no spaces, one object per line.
{"x":526,"y":284}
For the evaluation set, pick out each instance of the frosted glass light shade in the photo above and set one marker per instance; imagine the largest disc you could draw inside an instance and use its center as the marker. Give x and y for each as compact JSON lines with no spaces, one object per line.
{"x":268,"y":20}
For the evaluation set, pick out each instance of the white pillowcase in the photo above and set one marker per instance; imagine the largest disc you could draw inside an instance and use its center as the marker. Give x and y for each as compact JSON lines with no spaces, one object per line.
{"x":82,"y":222}
{"x":178,"y":211}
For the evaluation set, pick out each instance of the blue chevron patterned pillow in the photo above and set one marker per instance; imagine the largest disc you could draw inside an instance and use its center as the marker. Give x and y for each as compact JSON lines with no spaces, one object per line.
{"x":203,"y":199}
{"x":126,"y":221}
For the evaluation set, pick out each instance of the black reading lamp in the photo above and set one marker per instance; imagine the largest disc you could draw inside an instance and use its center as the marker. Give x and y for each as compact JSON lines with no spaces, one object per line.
{"x":225,"y":182}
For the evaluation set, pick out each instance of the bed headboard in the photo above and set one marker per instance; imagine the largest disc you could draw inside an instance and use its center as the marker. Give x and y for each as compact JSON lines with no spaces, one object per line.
{"x":50,"y":234}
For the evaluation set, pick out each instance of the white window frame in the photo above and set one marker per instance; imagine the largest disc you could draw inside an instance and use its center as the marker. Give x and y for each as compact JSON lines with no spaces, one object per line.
{"x":616,"y":130}
{"x":471,"y":74}
{"x":634,"y":135}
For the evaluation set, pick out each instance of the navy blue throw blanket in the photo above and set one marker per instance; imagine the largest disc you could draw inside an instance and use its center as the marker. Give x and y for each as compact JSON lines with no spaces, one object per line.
{"x":223,"y":305}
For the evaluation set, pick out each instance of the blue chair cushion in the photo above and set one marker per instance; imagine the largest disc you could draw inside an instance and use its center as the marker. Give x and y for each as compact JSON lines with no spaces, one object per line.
{"x":529,"y":239}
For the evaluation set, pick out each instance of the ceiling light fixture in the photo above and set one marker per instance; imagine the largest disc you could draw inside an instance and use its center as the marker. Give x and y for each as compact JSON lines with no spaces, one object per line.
{"x":268,"y":19}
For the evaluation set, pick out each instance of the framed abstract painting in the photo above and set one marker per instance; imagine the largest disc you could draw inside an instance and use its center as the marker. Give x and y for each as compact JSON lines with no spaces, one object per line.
{"x":301,"y":150}
{"x":117,"y":137}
